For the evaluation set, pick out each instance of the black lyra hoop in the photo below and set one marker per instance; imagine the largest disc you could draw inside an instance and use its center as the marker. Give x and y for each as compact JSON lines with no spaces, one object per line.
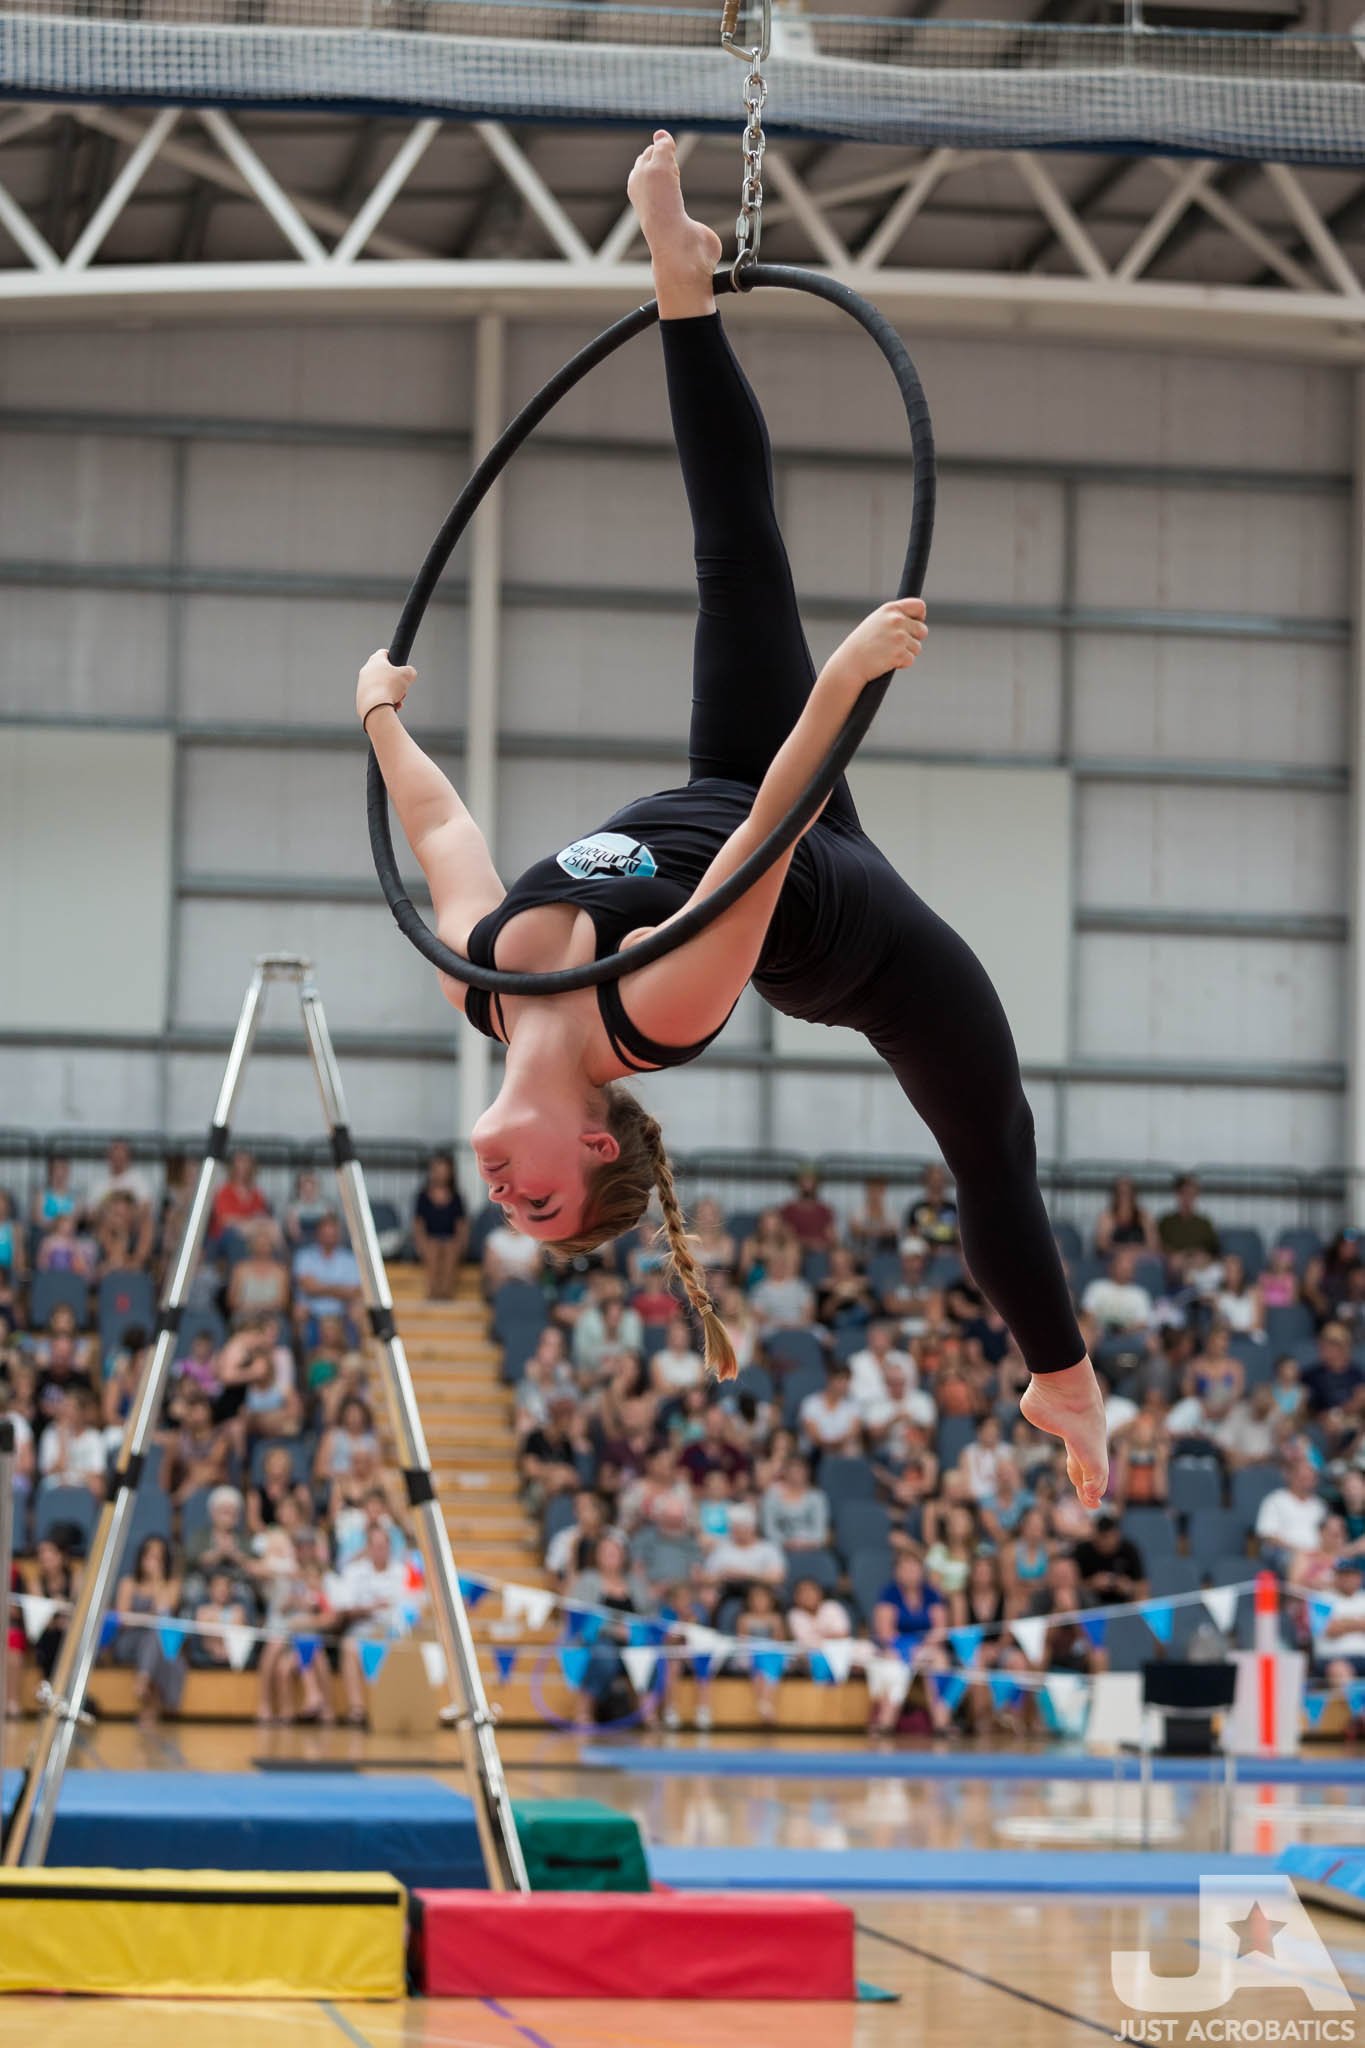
{"x":680,"y":929}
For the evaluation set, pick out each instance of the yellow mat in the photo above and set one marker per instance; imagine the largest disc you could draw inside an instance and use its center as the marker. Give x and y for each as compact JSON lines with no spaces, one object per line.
{"x":203,"y":1933}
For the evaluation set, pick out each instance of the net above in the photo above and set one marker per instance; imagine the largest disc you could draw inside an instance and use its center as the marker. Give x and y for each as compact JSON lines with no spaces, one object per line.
{"x":971,"y":85}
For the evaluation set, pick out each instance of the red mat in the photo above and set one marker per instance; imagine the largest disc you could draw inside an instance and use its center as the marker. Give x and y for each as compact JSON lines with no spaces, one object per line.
{"x":633,"y":1945}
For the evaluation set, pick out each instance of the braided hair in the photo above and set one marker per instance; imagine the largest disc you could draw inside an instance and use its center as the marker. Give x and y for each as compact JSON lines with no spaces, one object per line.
{"x":618,"y":1194}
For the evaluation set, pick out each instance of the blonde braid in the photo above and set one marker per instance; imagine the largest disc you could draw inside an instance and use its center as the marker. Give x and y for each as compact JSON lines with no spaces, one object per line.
{"x":720,"y":1352}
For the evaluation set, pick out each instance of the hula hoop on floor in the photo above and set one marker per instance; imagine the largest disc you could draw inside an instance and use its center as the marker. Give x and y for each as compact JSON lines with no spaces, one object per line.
{"x":593,"y":972}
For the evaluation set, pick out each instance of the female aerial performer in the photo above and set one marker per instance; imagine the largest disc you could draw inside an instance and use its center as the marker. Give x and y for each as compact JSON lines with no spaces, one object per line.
{"x":830,"y":933}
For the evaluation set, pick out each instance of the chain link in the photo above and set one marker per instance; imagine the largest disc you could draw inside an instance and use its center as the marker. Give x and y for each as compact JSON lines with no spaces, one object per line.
{"x":749,"y":226}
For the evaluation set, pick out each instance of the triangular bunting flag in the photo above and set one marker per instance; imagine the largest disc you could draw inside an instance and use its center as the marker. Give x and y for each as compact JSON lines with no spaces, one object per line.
{"x":640,"y":1663}
{"x":1159,"y":1616}
{"x":1355,"y":1696}
{"x":239,"y":1643}
{"x":1220,"y":1603}
{"x":1314,"y":1704}
{"x":1320,"y":1612}
{"x":109,"y":1628}
{"x":574,"y":1622}
{"x":506,"y":1663}
{"x":1067,"y":1695}
{"x":531,"y":1604}
{"x":819,"y":1668}
{"x":1031,"y":1636}
{"x":1005,"y":1691}
{"x":703,"y":1643}
{"x":574,"y":1665}
{"x":1096,"y":1628}
{"x":966,"y":1642}
{"x":838,"y":1655}
{"x":305,"y":1649}
{"x":642,"y":1632}
{"x":434,"y":1662}
{"x":950,"y":1686}
{"x":37,"y":1613}
{"x":591,"y":1629}
{"x":171,"y":1635}
{"x":472,"y":1591}
{"x":372,"y":1655}
{"x":769,"y":1663}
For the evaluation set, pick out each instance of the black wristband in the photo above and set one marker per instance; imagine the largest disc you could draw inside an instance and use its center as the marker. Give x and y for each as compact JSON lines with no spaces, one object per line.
{"x":384,"y":704}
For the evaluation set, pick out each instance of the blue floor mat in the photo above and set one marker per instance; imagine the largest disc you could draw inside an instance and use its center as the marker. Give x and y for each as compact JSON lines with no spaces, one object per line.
{"x":945,"y":1870}
{"x":414,"y":1828}
{"x":1041,"y":1768}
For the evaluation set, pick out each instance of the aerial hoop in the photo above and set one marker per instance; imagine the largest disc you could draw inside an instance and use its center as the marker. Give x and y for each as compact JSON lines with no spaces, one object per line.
{"x":680,"y":929}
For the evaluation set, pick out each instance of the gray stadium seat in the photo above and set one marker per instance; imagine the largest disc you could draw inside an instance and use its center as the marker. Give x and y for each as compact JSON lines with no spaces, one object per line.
{"x":741,"y":1224}
{"x":301,"y":1451}
{"x":821,"y":1565}
{"x":797,"y":1384}
{"x":1068,"y":1238}
{"x":57,"y":1504}
{"x":194,"y":1516}
{"x":814,"y":1268}
{"x":883,"y":1272}
{"x":847,"y":1479}
{"x":1250,"y":1487}
{"x":1285,"y":1328}
{"x":126,"y":1301}
{"x":1194,"y":1483}
{"x":152,"y":1516}
{"x":796,"y":1348}
{"x":1170,"y":1575}
{"x":1152,"y":1529}
{"x":1129,"y":1643}
{"x":755,"y":1380}
{"x":1248,"y":1245}
{"x":861,"y":1525}
{"x":516,"y":1304}
{"x":870,"y":1571}
{"x":195,"y":1320}
{"x":1150,"y":1272}
{"x":481,"y":1229}
{"x":1304,"y":1243}
{"x":558,"y":1515}
{"x":49,"y":1291}
{"x":1215,"y":1532}
{"x":955,"y":1432}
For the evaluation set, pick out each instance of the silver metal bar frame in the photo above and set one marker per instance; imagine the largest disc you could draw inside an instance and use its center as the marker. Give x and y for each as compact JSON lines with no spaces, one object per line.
{"x":30,"y":1832}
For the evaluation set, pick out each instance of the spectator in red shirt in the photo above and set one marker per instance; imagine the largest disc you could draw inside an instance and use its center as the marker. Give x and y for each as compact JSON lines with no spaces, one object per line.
{"x":812,"y":1220}
{"x":239,"y":1199}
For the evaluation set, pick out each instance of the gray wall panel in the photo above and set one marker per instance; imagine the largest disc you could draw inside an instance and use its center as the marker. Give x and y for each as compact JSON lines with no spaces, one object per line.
{"x":1227,"y":1126}
{"x":1267,"y":850}
{"x":367,"y":511}
{"x":84,"y":498}
{"x":1255,"y":552}
{"x":1177,"y":699}
{"x":1209,"y":999}
{"x":371,"y":978}
{"x":294,"y":661}
{"x":386,"y":1098}
{"x":84,"y":654}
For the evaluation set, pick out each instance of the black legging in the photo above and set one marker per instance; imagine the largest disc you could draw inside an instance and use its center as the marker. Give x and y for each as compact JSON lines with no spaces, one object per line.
{"x":906,"y":980}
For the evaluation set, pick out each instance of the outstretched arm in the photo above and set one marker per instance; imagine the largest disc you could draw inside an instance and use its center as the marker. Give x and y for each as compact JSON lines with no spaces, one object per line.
{"x":450,"y":848}
{"x":682,"y":997}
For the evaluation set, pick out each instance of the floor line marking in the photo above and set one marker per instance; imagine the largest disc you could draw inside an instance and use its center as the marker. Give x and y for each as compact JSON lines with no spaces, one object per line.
{"x":527,"y":2033}
{"x":340,"y":2021}
{"x":979,"y":1977}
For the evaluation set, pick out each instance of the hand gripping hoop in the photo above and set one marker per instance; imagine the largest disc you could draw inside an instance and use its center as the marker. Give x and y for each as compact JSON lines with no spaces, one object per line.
{"x":700,"y":915}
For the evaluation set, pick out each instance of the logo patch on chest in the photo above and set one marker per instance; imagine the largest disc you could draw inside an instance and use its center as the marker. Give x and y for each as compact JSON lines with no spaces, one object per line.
{"x":606,"y":854}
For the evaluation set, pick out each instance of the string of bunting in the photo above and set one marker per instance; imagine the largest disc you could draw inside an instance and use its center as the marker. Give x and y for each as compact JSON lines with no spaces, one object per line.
{"x":650,"y":1641}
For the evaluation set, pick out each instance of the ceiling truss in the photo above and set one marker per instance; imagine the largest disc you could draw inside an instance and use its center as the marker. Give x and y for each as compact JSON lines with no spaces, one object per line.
{"x":59,"y":255}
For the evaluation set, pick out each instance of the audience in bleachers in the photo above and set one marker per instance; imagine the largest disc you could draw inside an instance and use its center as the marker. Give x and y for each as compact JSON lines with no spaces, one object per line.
{"x":868,"y":1477}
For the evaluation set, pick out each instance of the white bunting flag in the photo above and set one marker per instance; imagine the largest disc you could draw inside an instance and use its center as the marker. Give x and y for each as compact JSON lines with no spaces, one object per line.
{"x":1068,"y":1694}
{"x":434,"y":1658}
{"x":890,"y":1677}
{"x":839,"y":1657}
{"x":1031,"y":1636}
{"x":707,"y":1642}
{"x":531,"y":1604}
{"x":1221,"y":1602}
{"x":640,"y":1665}
{"x":37,"y":1614}
{"x":239,"y":1642}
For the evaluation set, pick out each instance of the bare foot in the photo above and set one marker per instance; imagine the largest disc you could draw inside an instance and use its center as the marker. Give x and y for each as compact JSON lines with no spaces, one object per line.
{"x":684,"y":251}
{"x":1068,"y":1404}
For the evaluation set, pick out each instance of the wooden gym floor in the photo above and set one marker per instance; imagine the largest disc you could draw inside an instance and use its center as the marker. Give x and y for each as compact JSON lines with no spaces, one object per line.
{"x":1030,"y":1970}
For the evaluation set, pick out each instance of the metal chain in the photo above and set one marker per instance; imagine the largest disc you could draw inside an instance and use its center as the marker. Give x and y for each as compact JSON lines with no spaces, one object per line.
{"x":749,"y":226}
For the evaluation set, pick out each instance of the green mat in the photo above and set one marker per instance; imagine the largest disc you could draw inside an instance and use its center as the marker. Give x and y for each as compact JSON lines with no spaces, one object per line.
{"x":575,"y":1845}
